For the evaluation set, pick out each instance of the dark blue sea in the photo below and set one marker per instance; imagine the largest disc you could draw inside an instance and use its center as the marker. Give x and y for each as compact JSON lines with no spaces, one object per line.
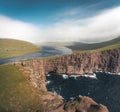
{"x":104,"y":88}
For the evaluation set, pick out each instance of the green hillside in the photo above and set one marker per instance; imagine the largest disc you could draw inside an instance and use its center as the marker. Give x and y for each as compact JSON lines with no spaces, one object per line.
{"x":16,"y":92}
{"x":78,"y":46}
{"x":113,"y":46}
{"x":12,"y":47}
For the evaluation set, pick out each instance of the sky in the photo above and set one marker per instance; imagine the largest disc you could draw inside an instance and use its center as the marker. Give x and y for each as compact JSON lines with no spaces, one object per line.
{"x":60,"y":20}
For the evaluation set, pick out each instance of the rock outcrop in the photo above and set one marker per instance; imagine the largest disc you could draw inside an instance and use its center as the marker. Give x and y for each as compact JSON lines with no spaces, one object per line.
{"x":81,"y":104}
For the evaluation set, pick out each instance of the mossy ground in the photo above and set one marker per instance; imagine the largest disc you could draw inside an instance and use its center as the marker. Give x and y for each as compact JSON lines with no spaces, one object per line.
{"x":16,"y":92}
{"x":11,"y":47}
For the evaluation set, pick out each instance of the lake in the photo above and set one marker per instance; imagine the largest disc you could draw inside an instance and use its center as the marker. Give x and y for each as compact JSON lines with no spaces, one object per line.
{"x":46,"y":51}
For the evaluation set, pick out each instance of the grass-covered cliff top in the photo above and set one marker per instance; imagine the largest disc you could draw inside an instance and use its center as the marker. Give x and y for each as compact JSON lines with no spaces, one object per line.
{"x":101,"y":48}
{"x":114,"y":46}
{"x":16,"y":92}
{"x":12,"y":47}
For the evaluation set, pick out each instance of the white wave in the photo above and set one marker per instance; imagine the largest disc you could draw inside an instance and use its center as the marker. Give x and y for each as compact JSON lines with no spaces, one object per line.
{"x":90,"y":76}
{"x":48,"y":82}
{"x":72,"y":98}
{"x":111,"y":73}
{"x":48,"y":75}
{"x":99,"y":71}
{"x":85,"y":75}
{"x":65,"y":76}
{"x":75,"y":76}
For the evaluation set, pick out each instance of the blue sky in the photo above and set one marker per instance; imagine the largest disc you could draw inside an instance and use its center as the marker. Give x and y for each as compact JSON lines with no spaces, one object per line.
{"x":59,"y":20}
{"x":43,"y":11}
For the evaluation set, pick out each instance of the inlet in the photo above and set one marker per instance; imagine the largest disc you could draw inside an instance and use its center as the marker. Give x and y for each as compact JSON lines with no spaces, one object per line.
{"x":104,"y":88}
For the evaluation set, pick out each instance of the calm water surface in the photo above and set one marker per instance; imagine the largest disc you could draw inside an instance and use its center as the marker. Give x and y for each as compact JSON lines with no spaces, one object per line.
{"x":46,"y":51}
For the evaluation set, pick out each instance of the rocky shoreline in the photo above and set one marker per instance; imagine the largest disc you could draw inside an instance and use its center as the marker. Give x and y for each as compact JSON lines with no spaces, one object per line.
{"x":80,"y":63}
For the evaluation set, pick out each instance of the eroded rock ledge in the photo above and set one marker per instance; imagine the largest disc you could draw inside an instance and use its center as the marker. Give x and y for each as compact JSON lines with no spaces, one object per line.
{"x":81,"y":104}
{"x":81,"y":63}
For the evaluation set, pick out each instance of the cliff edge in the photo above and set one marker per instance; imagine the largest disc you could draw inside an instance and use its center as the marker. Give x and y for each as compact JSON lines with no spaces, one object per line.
{"x":79,"y":64}
{"x":85,"y":63}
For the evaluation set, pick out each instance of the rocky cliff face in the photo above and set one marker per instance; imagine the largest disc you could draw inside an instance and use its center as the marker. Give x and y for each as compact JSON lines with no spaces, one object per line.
{"x":85,"y":63}
{"x":81,"y":63}
{"x":53,"y":102}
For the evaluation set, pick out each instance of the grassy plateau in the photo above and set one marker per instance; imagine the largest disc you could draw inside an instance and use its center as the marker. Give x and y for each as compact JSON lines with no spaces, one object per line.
{"x":16,"y":92}
{"x":12,"y":47}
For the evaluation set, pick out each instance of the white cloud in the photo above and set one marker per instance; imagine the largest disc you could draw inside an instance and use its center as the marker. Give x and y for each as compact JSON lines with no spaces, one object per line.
{"x":10,"y":28}
{"x":104,"y":26}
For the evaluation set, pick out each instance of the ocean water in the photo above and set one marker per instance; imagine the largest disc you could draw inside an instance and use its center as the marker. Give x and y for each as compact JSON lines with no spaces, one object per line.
{"x":104,"y":88}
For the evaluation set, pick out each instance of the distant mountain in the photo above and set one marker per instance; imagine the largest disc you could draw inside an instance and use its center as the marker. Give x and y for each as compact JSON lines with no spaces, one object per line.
{"x":86,"y":46}
{"x":54,"y":43}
